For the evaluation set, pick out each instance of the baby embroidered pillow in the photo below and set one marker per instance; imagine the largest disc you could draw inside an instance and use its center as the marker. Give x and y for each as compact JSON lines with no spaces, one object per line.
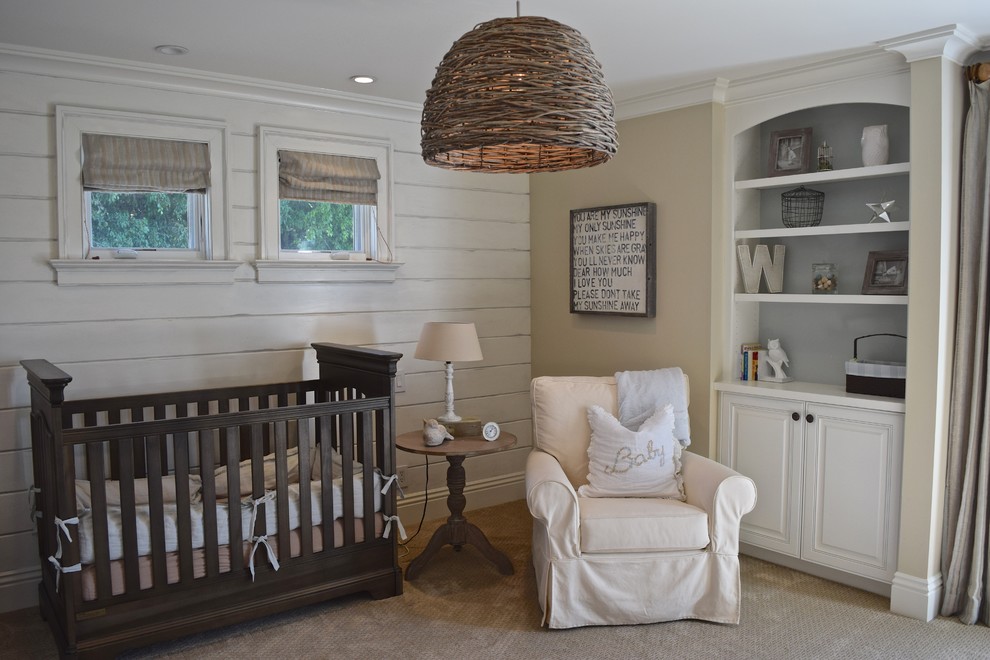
{"x":625,"y":463}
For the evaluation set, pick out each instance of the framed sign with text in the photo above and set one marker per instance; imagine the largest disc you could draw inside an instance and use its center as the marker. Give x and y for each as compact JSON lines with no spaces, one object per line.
{"x":614,"y":260}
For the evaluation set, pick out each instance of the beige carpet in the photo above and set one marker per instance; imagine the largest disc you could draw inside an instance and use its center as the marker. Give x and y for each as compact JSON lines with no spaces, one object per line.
{"x":461,"y":607}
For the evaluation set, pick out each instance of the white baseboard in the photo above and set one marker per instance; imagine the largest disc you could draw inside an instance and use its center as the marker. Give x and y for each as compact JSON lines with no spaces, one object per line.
{"x":19,"y":589}
{"x":479,"y":494}
{"x":914,"y":597}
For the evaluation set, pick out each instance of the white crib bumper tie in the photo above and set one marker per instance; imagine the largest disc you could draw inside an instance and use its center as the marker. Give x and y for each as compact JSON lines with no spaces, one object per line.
{"x":255,"y":502}
{"x":394,"y":479}
{"x":262,"y":540}
{"x":62,"y":528}
{"x":398,"y":523}
{"x":59,"y":569}
{"x":33,"y":502}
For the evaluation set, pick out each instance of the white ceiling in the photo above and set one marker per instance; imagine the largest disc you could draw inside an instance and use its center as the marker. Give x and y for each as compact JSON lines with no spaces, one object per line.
{"x":644,"y":46}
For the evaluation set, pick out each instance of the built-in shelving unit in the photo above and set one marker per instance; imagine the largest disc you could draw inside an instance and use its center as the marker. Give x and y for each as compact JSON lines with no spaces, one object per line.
{"x":798,"y":440}
{"x":818,"y":330}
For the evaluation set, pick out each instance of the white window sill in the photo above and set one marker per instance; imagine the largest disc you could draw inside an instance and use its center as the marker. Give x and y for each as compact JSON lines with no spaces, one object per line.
{"x":72,"y":272}
{"x":325,"y":271}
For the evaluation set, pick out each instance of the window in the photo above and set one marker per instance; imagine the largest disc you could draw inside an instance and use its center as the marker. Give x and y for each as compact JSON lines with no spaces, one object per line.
{"x":326,"y":208}
{"x":145,"y":196}
{"x":328,"y":204}
{"x":151,"y":185}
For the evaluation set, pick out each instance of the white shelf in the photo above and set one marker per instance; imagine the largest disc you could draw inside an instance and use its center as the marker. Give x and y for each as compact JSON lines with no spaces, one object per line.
{"x":848,"y":174}
{"x":824,"y":230}
{"x":820,"y":299}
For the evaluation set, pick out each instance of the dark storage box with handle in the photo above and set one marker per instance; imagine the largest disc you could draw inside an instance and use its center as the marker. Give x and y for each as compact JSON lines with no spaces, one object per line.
{"x":875,"y":377}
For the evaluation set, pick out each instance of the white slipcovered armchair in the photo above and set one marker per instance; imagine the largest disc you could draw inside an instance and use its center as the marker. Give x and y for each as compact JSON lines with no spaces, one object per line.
{"x":631,"y":559}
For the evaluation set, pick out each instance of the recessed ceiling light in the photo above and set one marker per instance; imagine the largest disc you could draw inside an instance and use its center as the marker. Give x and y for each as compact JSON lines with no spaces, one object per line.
{"x":363,"y":80}
{"x":167,"y":49}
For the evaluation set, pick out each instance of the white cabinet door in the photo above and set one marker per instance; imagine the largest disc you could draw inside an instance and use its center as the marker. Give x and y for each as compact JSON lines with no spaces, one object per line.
{"x":852,"y":489}
{"x":759,"y":438}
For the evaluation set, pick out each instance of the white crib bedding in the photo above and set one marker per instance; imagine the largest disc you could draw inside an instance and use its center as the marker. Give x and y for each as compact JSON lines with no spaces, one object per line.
{"x":247,"y":506}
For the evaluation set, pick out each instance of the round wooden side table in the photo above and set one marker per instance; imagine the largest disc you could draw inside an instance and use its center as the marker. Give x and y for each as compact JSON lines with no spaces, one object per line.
{"x":457,"y":531}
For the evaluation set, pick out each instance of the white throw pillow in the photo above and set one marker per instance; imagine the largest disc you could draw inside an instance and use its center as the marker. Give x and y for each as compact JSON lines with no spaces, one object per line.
{"x":624,"y":463}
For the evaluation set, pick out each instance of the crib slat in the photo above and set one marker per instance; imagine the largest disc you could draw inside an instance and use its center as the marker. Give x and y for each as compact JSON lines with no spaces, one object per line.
{"x":258,"y":490}
{"x":326,"y":481}
{"x":98,"y":496}
{"x":113,"y":417}
{"x":232,"y":439}
{"x":305,"y":490}
{"x":209,"y":490}
{"x":366,"y":429}
{"x":346,"y":423}
{"x":163,"y":448}
{"x":282,"y":490}
{"x":156,"y":512}
{"x":180,"y":448}
{"x":140,"y":460}
{"x":128,"y":515}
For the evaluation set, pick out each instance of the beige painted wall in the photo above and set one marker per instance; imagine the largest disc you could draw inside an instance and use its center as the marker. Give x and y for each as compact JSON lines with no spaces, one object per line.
{"x":664,"y":158}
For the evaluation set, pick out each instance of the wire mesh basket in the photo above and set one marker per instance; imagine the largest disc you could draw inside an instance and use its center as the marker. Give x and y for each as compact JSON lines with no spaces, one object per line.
{"x":802,"y":207}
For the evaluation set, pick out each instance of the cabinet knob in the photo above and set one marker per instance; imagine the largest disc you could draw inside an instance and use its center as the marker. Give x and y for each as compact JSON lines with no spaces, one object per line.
{"x":795,"y":416}
{"x":810,"y":418}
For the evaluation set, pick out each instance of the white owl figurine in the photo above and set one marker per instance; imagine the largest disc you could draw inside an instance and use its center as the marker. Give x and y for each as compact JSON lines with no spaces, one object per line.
{"x":776,"y":358}
{"x":434,"y":433}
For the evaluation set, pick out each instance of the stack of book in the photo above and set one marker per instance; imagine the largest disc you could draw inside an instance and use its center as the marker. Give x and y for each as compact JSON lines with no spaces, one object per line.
{"x":749,"y":368}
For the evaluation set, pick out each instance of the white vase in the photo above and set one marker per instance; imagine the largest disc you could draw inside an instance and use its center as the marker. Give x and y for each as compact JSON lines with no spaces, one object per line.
{"x":875,"y":145}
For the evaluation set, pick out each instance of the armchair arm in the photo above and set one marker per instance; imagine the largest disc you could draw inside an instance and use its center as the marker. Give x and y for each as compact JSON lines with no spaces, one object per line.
{"x":723,"y":493}
{"x":553,"y":501}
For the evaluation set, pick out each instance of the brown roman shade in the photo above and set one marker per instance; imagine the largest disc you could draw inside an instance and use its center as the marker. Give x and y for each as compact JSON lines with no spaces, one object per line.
{"x":327,"y":178}
{"x":117,"y":162}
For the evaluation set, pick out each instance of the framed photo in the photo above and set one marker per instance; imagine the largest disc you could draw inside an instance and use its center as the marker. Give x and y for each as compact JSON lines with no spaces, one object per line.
{"x":790,"y":152}
{"x":614,"y":260}
{"x":886,"y":273}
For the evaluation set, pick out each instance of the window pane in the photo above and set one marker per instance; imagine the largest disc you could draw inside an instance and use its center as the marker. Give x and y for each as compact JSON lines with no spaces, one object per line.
{"x":318,"y":226}
{"x":141,"y":220}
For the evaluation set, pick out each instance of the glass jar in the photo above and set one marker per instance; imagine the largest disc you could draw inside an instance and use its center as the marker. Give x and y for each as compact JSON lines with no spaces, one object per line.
{"x":824,"y":278}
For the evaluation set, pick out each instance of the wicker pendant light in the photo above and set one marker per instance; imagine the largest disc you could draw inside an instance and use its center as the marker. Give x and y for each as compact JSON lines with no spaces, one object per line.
{"x":522,"y":94}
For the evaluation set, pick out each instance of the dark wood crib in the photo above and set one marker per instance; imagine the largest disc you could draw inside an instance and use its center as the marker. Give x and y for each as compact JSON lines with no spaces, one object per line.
{"x":166,"y":514}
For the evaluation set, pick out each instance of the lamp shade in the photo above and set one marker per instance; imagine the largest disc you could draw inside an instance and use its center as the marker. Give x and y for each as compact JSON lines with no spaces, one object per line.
{"x":522,"y":94}
{"x":449,"y":342}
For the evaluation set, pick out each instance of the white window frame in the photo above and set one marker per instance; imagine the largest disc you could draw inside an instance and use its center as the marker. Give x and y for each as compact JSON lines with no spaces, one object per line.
{"x":74,"y":265}
{"x":276,"y":265}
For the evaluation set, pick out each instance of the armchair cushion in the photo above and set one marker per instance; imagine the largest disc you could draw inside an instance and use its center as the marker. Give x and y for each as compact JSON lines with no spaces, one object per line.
{"x":625,"y":463}
{"x":641,"y":525}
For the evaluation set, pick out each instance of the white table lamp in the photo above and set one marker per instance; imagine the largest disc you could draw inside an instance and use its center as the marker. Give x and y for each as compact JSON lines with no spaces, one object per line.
{"x":449,"y":342}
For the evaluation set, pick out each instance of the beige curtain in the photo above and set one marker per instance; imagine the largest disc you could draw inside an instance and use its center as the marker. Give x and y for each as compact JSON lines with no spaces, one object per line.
{"x":117,"y":162}
{"x":965,"y":535}
{"x":327,"y":178}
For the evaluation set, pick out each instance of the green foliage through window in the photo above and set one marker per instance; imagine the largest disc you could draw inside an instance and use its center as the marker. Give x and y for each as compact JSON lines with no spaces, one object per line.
{"x":316,"y":226}
{"x":140,"y":220}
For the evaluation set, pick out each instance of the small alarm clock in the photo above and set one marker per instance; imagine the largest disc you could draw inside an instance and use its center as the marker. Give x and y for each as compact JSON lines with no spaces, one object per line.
{"x":490,"y":431}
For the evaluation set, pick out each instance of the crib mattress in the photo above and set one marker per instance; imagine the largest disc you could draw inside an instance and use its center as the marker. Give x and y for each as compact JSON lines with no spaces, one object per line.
{"x":267,"y":510}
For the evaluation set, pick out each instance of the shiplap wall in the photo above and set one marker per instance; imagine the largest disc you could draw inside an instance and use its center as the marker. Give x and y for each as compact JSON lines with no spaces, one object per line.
{"x":463,"y":239}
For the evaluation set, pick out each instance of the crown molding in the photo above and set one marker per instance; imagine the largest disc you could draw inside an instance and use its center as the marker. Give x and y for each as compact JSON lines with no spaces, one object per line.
{"x":953,"y":42}
{"x":867,"y":63}
{"x":856,"y":65}
{"x":37,"y":61}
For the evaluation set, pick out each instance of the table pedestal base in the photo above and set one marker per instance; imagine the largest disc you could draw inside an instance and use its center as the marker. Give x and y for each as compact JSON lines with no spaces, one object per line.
{"x":457,"y":531}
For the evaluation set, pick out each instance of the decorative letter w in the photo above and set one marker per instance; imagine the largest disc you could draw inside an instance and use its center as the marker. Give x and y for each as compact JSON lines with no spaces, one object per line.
{"x":761,"y":263}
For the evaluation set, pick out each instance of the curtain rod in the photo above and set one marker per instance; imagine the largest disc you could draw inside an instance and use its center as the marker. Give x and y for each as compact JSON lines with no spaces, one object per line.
{"x":979,"y":72}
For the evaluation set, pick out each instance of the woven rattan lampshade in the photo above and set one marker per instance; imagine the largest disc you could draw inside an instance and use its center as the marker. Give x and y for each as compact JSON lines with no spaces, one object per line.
{"x":522,"y":94}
